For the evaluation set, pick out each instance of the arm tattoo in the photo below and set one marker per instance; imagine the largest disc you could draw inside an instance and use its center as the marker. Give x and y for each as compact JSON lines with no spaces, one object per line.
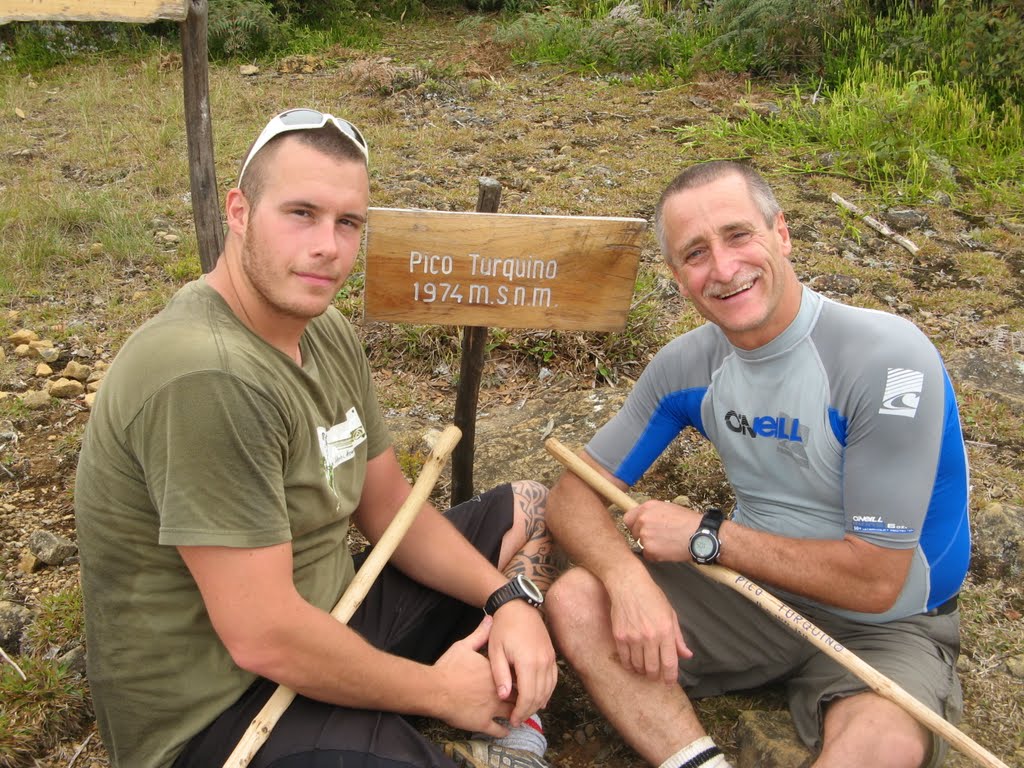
{"x":538,"y":558}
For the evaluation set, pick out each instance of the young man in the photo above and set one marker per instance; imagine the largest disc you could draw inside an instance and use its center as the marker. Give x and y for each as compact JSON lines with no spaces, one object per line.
{"x":839,"y":433}
{"x":235,"y":438}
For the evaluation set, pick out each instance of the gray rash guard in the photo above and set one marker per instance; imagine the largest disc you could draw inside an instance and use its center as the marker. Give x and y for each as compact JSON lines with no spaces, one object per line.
{"x":845,"y":423}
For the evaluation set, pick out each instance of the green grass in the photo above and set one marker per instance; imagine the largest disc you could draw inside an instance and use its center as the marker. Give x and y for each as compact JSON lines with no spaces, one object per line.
{"x":52,"y":701}
{"x":904,"y":136}
{"x":38,"y":711}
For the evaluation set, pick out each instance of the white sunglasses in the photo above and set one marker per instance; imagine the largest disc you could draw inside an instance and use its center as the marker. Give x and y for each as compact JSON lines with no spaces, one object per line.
{"x":303,"y":120}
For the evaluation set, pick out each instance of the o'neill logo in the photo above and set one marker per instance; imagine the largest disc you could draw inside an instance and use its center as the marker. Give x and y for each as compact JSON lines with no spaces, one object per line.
{"x":902,"y":392}
{"x":781,"y":428}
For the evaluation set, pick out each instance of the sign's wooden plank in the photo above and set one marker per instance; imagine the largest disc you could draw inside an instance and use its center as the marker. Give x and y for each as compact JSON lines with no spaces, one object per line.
{"x":501,"y":270}
{"x":138,"y":11}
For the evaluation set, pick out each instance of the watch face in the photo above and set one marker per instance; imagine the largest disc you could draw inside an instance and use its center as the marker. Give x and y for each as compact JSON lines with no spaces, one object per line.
{"x":530,"y":589}
{"x":702,"y":546}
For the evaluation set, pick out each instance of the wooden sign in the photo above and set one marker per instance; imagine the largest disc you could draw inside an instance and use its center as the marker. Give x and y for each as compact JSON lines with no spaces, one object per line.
{"x":501,"y":270}
{"x":139,"y":11}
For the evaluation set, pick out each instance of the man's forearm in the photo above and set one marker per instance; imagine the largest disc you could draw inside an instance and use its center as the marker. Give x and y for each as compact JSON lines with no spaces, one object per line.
{"x":436,"y":554}
{"x":580,"y":523}
{"x":847,"y":573}
{"x":318,"y":657}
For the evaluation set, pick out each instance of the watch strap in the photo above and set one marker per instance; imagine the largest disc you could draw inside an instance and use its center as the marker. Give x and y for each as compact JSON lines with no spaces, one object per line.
{"x":513,"y":590}
{"x":712,"y":520}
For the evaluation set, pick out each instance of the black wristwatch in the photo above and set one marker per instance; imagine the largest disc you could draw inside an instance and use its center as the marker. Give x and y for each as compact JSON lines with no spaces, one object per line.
{"x":704,"y":544}
{"x":519,"y":588}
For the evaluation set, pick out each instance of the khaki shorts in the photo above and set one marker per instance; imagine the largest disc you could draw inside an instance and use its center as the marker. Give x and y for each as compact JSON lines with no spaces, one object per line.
{"x":738,"y":646}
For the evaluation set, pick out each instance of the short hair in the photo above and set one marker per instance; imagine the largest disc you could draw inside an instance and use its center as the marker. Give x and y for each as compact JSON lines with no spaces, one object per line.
{"x":327,"y":139}
{"x":706,"y":173}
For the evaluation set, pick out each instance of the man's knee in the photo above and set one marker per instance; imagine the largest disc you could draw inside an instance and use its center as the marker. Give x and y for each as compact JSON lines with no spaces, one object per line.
{"x":868,"y":725}
{"x":576,"y":608}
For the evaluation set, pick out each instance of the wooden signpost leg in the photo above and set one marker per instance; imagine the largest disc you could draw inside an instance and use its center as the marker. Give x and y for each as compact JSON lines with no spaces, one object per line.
{"x":474,"y":342}
{"x":199,"y":133}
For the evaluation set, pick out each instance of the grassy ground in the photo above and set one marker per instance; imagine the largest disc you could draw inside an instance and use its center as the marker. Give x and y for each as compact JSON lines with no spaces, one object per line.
{"x":97,"y":234}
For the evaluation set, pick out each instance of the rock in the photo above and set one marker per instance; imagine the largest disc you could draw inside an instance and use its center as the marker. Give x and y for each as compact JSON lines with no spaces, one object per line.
{"x":77,"y":371}
{"x":13,"y":620}
{"x":1015,"y":666}
{"x":22,"y":336}
{"x":74,"y":660}
{"x":22,"y":350}
{"x":51,"y":548}
{"x":844,"y":285}
{"x":994,"y":372}
{"x":998,"y":546}
{"x":90,"y":400}
{"x":627,"y":11}
{"x":3,"y":354}
{"x":904,"y":219}
{"x":65,"y":388}
{"x":767,"y":739}
{"x":44,"y":370}
{"x":29,"y":563}
{"x":35,"y":399}
{"x":248,"y":70}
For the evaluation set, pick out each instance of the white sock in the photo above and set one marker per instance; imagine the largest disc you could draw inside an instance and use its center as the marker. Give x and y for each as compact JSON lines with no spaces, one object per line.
{"x":695,"y":751}
{"x":529,"y":736}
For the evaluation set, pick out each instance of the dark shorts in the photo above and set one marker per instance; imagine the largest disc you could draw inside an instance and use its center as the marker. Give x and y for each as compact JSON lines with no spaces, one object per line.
{"x":737,"y":646}
{"x":399,"y":616}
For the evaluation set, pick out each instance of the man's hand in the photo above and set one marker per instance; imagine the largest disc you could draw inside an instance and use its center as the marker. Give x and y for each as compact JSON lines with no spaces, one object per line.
{"x":469,"y":699}
{"x":664,"y":530}
{"x":645,"y":627}
{"x":521,"y":654}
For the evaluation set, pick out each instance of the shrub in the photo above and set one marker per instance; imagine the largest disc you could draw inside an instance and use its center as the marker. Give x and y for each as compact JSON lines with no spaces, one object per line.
{"x":242,"y":28}
{"x":969,"y":41}
{"x":314,"y":11}
{"x":35,"y":45}
{"x":629,"y":46}
{"x":769,"y":37}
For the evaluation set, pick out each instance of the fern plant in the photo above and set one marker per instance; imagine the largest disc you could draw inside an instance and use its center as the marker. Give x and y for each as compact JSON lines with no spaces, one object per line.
{"x":242,"y":28}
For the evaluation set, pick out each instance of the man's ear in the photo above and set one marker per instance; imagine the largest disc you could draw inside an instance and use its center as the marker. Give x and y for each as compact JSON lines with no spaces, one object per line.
{"x":782,"y":230}
{"x":237,"y":209}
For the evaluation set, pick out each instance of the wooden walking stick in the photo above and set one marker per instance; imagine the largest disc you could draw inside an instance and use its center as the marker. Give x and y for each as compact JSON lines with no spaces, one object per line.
{"x":878,"y":682}
{"x":261,"y":726}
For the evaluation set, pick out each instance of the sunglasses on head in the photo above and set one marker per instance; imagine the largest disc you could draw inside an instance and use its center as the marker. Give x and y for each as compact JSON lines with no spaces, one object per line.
{"x":304,"y":120}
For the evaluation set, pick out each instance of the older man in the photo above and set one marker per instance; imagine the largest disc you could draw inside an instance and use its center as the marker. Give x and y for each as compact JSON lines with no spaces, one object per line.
{"x":839,"y":434}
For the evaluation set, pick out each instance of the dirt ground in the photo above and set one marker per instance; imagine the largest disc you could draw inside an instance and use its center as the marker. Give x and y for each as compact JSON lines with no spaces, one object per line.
{"x":571,"y":143}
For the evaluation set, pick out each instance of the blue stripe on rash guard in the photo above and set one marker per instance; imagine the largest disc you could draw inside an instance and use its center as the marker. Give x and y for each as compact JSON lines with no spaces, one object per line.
{"x":674,"y":413}
{"x":838,"y":424}
{"x":946,"y":536}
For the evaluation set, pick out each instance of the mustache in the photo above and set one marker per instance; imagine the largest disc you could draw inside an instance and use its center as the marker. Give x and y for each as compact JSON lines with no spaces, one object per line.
{"x":740,"y":281}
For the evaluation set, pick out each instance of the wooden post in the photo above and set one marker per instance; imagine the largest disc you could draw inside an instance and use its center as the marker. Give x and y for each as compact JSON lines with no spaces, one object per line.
{"x":199,"y":132}
{"x":474,"y":340}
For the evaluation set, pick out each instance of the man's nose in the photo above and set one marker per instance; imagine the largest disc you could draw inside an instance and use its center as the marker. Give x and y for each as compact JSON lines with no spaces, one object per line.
{"x":723,"y":262}
{"x":325,"y":242}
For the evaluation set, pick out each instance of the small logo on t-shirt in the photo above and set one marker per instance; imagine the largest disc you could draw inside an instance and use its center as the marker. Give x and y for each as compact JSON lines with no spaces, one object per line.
{"x":338,"y":444}
{"x":902,"y":392}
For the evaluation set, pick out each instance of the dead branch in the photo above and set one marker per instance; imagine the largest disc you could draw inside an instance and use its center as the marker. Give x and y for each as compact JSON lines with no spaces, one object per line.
{"x":875,"y":224}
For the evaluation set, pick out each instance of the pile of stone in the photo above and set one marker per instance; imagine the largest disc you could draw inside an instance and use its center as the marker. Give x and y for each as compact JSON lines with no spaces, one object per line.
{"x":75,"y":380}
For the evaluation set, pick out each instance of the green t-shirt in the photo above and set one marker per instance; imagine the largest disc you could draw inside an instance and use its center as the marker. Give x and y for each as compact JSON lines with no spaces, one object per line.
{"x":204,"y":434}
